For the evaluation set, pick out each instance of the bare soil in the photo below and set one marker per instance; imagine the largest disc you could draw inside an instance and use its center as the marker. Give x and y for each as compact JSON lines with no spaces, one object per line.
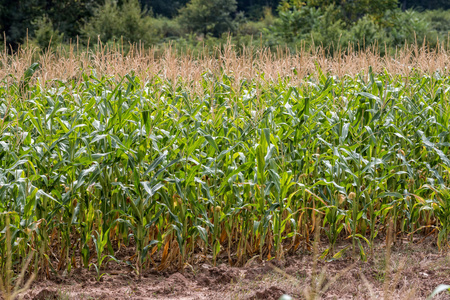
{"x":414,"y":271}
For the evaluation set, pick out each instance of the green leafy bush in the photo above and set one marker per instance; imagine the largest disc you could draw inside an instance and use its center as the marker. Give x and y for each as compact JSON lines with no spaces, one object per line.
{"x":209,"y":16}
{"x":366,"y":32}
{"x":439,"y":21}
{"x":248,"y":27}
{"x":407,"y":27}
{"x":113,"y":22}
{"x":46,"y":35}
{"x":294,"y":24}
{"x":329,"y":30}
{"x":310,"y":25}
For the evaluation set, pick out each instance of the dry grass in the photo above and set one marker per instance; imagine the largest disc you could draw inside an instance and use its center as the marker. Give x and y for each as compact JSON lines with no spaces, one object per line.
{"x":70,"y":63}
{"x":413,"y":277}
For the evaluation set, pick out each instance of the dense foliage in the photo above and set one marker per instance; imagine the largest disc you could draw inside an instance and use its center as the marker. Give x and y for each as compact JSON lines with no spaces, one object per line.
{"x":234,"y":170}
{"x":330,"y":23}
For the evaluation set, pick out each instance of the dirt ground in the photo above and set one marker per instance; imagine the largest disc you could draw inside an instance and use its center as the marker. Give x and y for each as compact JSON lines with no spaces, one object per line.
{"x":414,"y":271}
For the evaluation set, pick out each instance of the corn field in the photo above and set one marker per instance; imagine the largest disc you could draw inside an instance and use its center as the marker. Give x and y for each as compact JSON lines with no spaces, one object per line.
{"x":231,"y":170}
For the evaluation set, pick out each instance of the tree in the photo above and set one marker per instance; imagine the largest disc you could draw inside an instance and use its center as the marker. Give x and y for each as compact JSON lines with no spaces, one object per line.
{"x":426,"y":4}
{"x":69,"y":16}
{"x":209,"y":16}
{"x":254,"y":9}
{"x":298,"y":22}
{"x":113,"y":22}
{"x":354,"y":10}
{"x":16,"y":19}
{"x":164,"y":8}
{"x":45,"y":34}
{"x":170,"y":8}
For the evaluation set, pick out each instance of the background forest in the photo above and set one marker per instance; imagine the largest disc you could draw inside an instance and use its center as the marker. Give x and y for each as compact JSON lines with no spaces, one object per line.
{"x":190,"y":24}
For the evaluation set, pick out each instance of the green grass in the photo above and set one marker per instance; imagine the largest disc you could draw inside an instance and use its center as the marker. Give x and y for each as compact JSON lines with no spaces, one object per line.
{"x":88,"y":167}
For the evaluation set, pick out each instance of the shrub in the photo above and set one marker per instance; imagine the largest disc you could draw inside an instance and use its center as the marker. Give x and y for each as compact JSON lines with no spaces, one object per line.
{"x":329,"y":30}
{"x":407,"y":27}
{"x":46,"y":35}
{"x":113,"y":22}
{"x":365,"y":32}
{"x":209,"y":16}
{"x":256,"y":27}
{"x":439,"y":20}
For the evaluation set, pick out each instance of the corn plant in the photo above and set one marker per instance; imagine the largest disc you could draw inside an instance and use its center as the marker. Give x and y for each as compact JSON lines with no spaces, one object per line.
{"x":232,"y":170}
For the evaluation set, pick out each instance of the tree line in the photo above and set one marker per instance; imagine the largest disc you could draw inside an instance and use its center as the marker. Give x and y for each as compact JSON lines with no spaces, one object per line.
{"x":273,"y":22}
